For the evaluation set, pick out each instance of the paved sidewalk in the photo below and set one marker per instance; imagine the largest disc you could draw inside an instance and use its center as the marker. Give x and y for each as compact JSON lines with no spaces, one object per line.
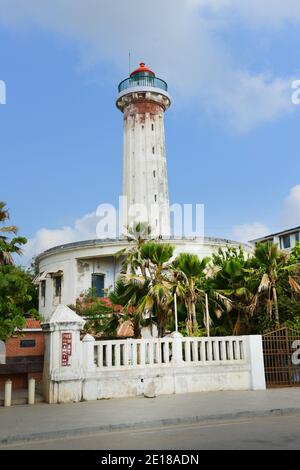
{"x":42,"y":421}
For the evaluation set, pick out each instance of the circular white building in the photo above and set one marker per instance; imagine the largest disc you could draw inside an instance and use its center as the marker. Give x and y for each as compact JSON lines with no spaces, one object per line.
{"x":66,"y":271}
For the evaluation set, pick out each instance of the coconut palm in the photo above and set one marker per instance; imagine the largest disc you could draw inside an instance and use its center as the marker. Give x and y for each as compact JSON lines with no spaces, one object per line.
{"x":137,"y":235}
{"x":155,"y":279}
{"x":8,"y":246}
{"x":270,"y":263}
{"x":189,"y":274}
{"x":232,"y":281}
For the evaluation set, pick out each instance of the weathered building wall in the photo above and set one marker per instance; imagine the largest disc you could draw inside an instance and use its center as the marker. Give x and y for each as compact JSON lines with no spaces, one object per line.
{"x":145,"y":178}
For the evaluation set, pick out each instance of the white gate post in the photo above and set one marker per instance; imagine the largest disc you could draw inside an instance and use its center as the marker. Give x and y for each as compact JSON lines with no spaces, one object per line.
{"x":256,"y":358}
{"x":62,"y":376}
{"x":31,"y":391}
{"x":7,"y":392}
{"x":88,"y":354}
{"x":176,"y":347}
{"x":89,"y":383}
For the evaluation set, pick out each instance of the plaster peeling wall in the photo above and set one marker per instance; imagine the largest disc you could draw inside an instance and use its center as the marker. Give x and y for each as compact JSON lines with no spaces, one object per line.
{"x":145,"y":178}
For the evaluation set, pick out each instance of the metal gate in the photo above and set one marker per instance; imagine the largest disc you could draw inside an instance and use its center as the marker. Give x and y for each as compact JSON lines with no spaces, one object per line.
{"x":282,"y":357}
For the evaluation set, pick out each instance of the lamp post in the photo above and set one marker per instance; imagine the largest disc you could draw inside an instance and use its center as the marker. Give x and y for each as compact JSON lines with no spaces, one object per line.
{"x":207,"y":314}
{"x":175,"y":309}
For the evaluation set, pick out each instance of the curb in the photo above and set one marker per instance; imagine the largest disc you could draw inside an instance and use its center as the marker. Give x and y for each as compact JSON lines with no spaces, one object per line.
{"x":63,"y":433}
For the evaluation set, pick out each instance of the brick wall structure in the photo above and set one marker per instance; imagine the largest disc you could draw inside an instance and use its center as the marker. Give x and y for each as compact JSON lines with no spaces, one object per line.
{"x":24,"y":356}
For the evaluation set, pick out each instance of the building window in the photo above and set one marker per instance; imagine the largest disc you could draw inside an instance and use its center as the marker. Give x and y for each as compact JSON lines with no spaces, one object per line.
{"x":285,"y":241}
{"x":297,"y":237}
{"x":152,"y":127}
{"x":153,"y":150}
{"x":154,"y":173}
{"x":43,"y":293}
{"x":98,"y":284}
{"x":57,"y":286}
{"x":27,"y":343}
{"x":155,"y":197}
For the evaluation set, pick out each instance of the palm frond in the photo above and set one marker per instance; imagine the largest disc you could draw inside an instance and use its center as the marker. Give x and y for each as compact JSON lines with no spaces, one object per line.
{"x":294,"y":284}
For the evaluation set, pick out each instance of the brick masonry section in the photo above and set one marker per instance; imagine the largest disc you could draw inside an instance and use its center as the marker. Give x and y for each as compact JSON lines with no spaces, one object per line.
{"x":13,"y":346}
{"x":23,"y":362}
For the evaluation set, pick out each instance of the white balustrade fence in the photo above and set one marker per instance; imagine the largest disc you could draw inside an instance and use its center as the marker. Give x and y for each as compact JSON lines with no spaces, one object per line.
{"x":91,"y":370}
{"x":141,"y":352}
{"x":205,"y":350}
{"x":133,"y":352}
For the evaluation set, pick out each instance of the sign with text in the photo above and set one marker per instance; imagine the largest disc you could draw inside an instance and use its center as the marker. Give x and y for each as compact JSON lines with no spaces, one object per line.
{"x":66,"y":348}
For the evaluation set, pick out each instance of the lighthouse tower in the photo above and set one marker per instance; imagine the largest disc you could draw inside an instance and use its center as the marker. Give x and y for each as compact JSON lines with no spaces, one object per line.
{"x":143,"y":98}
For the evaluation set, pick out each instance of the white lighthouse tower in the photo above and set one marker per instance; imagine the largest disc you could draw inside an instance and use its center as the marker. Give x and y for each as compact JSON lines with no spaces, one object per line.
{"x":143,"y":98}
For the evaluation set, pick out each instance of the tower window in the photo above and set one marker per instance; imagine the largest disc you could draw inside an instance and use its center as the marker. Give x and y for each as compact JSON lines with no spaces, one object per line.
{"x":154,"y":173}
{"x":155,"y":197}
{"x":98,"y":284}
{"x":57,"y":286}
{"x":43,"y":292}
{"x":152,"y":127}
{"x":153,"y":150}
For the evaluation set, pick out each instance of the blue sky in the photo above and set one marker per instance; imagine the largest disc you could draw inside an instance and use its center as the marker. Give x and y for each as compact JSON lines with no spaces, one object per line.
{"x":232,"y":131}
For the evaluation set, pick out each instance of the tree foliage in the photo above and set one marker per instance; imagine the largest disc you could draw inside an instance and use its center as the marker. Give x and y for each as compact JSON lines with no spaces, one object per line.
{"x":18,"y":298}
{"x":8,"y":246}
{"x":18,"y":295}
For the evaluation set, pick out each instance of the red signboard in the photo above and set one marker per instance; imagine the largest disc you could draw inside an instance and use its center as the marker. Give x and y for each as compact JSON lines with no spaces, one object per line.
{"x":66,"y":348}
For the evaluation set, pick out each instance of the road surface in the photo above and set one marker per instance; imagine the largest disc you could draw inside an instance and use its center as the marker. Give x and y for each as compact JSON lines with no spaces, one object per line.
{"x":256,"y":433}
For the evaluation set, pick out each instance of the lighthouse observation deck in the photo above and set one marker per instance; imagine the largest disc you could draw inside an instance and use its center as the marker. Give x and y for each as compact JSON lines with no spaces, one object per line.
{"x":140,"y":80}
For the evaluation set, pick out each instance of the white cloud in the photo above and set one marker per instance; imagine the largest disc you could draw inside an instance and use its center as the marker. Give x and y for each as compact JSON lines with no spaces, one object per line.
{"x":291,"y":208}
{"x":84,"y":229}
{"x":289,"y":218}
{"x":256,"y":13}
{"x":178,"y":38}
{"x":247,"y":232}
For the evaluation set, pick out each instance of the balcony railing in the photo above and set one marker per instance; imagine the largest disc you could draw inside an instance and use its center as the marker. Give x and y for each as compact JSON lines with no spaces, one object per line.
{"x":142,"y":81}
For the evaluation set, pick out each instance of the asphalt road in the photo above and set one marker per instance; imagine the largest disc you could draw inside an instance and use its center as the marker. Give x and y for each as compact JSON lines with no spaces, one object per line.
{"x":256,"y":433}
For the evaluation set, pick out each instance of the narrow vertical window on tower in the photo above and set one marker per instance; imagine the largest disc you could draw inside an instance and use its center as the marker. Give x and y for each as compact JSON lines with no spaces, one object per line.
{"x":43,"y":292}
{"x":154,"y":173}
{"x":155,"y":197}
{"x":153,"y":150}
{"x":152,"y":127}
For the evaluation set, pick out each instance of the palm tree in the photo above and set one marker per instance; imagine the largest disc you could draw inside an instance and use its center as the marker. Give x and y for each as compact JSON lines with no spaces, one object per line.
{"x":231,"y":281}
{"x":270,"y":263}
{"x":189,"y":273}
{"x":7,"y":245}
{"x":129,"y":295}
{"x":137,"y":235}
{"x":155,"y":280}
